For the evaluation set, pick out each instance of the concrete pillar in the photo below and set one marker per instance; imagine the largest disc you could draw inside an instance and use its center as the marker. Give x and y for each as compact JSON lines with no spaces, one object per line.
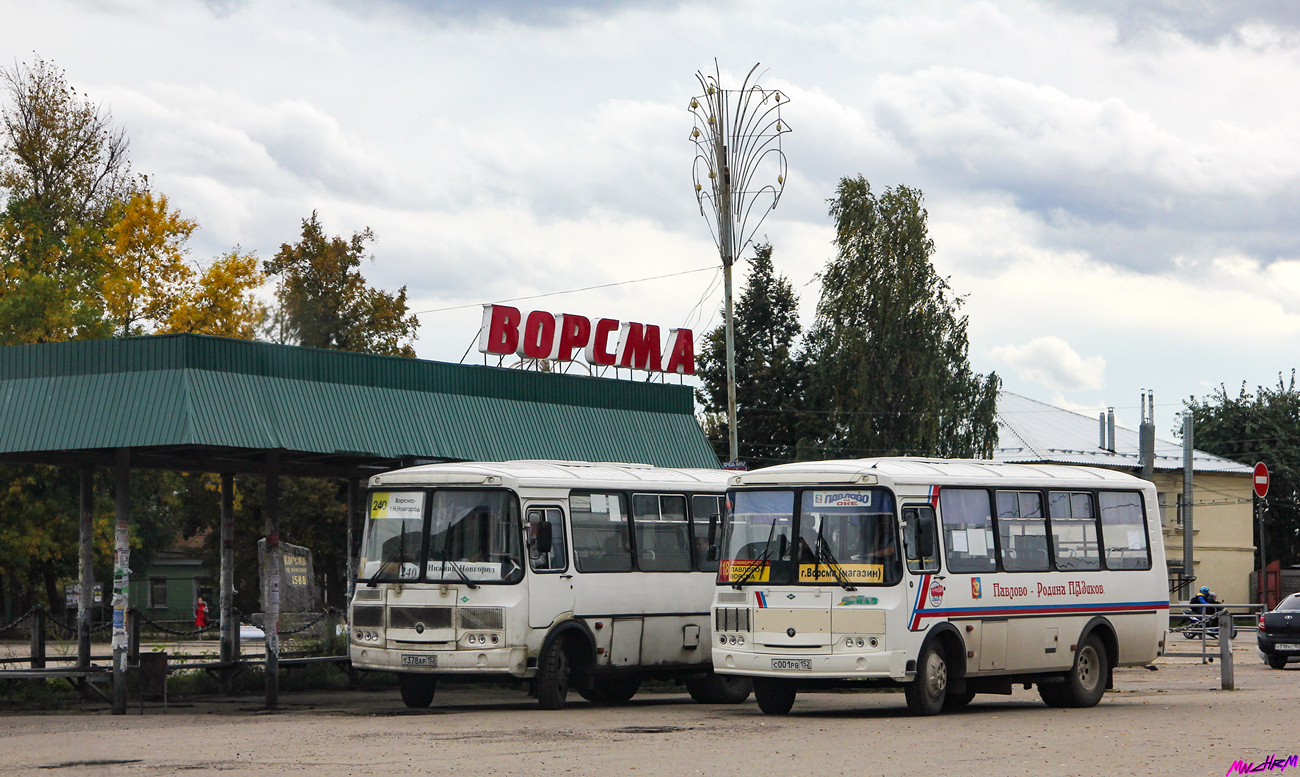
{"x":229,"y":626}
{"x":121,"y":574}
{"x":354,"y":512}
{"x":85,"y":557}
{"x":271,"y":607}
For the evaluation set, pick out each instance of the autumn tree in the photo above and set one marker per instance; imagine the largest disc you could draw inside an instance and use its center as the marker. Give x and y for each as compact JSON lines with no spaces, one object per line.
{"x":769,"y":372}
{"x":326,"y":303}
{"x":887,"y":352}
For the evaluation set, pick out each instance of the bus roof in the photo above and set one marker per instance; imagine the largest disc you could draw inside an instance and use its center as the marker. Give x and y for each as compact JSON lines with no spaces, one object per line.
{"x":554,"y":474}
{"x":922,"y":471}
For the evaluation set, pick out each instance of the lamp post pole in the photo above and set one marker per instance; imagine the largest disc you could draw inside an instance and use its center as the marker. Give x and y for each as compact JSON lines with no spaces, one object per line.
{"x":736,"y":131}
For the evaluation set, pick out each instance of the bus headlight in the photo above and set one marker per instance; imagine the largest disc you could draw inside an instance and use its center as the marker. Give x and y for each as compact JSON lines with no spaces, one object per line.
{"x":722,"y":640}
{"x":860,"y":642}
{"x":495,"y":639}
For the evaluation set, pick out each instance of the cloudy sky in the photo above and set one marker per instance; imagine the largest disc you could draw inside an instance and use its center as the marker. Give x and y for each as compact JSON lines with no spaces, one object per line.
{"x":1114,"y":186}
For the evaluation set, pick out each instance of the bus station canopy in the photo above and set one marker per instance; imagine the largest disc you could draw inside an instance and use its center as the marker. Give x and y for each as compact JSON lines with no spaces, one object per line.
{"x":209,"y":404}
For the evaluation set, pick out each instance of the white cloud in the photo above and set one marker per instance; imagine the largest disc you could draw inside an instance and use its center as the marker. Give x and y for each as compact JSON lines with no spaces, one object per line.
{"x":1051,"y":362}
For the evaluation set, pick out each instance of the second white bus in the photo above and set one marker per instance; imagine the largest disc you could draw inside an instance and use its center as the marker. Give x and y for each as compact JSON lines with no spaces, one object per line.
{"x":561,"y":574}
{"x":948,"y":578}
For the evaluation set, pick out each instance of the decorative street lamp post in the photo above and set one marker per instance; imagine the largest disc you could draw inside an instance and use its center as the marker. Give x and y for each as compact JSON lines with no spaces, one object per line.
{"x":739,"y":171}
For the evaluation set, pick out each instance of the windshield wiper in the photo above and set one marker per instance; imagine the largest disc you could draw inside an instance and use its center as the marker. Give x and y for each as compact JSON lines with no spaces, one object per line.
{"x":446,"y":559}
{"x":400,"y":552}
{"x":827,"y":558}
{"x":456,"y":568}
{"x":754,"y":566}
{"x":762,"y":557}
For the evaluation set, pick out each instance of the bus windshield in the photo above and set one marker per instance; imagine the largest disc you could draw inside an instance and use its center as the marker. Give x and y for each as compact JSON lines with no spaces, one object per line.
{"x":756,"y":540}
{"x":390,"y":549}
{"x":847,"y":537}
{"x":474,"y":536}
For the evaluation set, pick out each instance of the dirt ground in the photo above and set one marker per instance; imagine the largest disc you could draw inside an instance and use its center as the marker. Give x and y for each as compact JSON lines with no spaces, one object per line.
{"x":1174,"y":720}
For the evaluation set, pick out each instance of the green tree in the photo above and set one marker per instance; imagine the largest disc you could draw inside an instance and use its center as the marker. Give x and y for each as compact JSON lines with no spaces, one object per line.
{"x":887,"y":353}
{"x":769,"y":374}
{"x":326,"y":303}
{"x":63,"y":170}
{"x":1263,"y":426}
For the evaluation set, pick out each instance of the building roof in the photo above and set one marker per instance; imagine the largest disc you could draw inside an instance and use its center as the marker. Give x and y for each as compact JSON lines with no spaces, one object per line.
{"x":912,"y":470}
{"x":1031,"y":431}
{"x":211,"y":404}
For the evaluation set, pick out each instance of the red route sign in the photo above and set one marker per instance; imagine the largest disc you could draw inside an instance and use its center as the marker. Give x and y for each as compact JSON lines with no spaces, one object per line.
{"x":1261,"y":480}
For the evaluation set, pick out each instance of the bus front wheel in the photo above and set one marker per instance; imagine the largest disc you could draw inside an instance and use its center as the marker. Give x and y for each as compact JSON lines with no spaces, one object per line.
{"x":927,"y":692}
{"x":417,"y":689}
{"x":553,"y":676}
{"x":774,"y":697}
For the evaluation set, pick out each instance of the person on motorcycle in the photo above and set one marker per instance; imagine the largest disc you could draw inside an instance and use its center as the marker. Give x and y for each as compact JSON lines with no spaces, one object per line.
{"x":1205,"y":597}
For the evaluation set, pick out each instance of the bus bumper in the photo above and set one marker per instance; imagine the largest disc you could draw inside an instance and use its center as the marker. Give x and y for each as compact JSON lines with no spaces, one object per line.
{"x":876,"y":664}
{"x":513,"y":661}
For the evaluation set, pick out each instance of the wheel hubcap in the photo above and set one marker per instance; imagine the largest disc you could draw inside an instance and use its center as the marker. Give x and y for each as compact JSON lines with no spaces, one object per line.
{"x":1088,"y":668}
{"x":937,"y":675}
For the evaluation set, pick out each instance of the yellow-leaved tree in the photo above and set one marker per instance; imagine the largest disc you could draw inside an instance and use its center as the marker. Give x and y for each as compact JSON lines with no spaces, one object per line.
{"x":222,"y":301}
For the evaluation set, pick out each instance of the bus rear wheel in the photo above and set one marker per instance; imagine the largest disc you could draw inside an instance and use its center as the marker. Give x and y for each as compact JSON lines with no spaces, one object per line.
{"x":612,"y":690}
{"x":774,"y":696}
{"x":417,"y":689}
{"x":719,"y":688}
{"x":927,"y":692}
{"x":553,"y":676}
{"x":1085,"y":683}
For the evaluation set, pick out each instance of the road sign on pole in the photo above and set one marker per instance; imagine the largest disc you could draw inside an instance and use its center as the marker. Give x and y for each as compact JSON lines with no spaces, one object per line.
{"x":1261,"y":480}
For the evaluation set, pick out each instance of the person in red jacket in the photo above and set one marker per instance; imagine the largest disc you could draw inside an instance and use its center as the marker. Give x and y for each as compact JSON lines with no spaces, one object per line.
{"x":200,"y":615}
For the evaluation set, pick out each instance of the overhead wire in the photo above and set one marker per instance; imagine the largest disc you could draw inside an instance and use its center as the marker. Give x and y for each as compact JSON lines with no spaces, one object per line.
{"x":567,"y":291}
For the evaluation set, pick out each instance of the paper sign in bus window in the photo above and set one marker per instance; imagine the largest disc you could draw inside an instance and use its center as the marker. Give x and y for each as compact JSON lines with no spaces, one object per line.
{"x":1135,"y":540}
{"x":397,"y":505}
{"x":841,"y":498}
{"x":959,"y":542}
{"x":975,"y":539}
{"x":857,"y":573}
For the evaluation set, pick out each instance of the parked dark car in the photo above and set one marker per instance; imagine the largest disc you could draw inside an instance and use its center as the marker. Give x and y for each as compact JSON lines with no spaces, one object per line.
{"x":1279,"y":632}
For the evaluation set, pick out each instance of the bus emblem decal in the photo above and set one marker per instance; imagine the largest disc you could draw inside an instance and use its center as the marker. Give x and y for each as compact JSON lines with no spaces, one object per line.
{"x":976,"y":590}
{"x":936,"y":593}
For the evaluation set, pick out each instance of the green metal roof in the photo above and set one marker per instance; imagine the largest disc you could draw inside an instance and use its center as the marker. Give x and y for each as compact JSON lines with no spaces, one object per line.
{"x":182,"y":400}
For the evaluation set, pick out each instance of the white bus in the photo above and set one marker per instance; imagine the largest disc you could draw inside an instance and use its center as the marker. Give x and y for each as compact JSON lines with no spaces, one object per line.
{"x":561,"y":574}
{"x":948,"y":578}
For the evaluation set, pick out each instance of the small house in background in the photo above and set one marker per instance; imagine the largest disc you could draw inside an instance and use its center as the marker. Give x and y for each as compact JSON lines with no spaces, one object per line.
{"x":168,"y":589}
{"x":1033,"y":432}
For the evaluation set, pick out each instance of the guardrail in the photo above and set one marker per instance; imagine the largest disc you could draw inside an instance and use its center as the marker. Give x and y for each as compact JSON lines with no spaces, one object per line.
{"x":1223,"y":626}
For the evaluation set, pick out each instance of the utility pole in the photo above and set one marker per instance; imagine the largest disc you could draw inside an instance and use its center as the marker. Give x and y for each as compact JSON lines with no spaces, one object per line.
{"x":1188,"y":560}
{"x":737,"y":135}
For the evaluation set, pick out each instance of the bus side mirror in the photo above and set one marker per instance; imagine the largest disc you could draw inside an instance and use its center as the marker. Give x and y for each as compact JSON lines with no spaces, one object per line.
{"x":712,"y":553}
{"x":544,"y":537}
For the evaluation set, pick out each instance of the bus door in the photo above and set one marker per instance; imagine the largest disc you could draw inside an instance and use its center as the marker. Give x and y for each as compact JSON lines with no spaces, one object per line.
{"x":550,"y":582}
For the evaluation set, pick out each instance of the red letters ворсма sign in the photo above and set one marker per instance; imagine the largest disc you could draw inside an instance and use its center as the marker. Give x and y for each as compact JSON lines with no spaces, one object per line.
{"x":559,"y":336}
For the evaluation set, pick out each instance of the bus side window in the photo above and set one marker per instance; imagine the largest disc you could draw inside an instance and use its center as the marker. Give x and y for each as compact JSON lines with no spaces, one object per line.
{"x":1022,"y":531}
{"x":663,"y":541}
{"x":547,"y":550}
{"x":1123,"y":530}
{"x":701,"y":508}
{"x":920,"y":540}
{"x":967,"y":530}
{"x":600,"y":532}
{"x":1074,"y":531}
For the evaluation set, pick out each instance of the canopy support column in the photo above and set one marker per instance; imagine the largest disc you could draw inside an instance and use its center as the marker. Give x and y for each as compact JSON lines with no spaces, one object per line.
{"x":85,"y":573}
{"x":271,"y":607}
{"x":229,"y":626}
{"x":121,"y":574}
{"x":354,"y":511}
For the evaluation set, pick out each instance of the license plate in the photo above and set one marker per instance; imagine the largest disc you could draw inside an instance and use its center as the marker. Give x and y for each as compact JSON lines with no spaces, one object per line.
{"x":801,"y":664}
{"x":410,"y":660}
{"x":1286,"y":646}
